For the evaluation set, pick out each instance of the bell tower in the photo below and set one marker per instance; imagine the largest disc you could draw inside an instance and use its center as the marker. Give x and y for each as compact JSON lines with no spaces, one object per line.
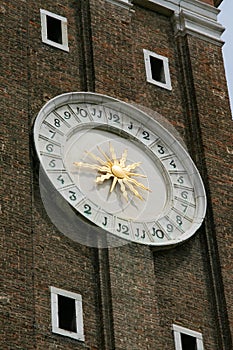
{"x":154,"y":62}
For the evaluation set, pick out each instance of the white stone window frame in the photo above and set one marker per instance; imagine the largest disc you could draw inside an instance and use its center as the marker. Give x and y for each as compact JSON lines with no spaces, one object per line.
{"x":126,"y":4}
{"x":43,"y":15}
{"x":178,"y":330}
{"x":79,"y":335}
{"x":147,"y":54}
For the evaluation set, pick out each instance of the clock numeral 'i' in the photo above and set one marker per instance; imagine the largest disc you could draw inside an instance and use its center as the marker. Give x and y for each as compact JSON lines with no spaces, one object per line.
{"x":87,"y":210}
{"x":114,"y":117}
{"x":130,"y":127}
{"x":96,"y":113}
{"x":137,"y":234}
{"x":60,"y":178}
{"x":123,"y":229}
{"x":67,"y":115}
{"x":57,"y":123}
{"x":52,"y":163}
{"x":158,"y":233}
{"x":146,"y":135}
{"x":105,"y":221}
{"x":72,"y":196}
{"x":172,"y":163}
{"x":53,"y":133}
{"x":82,"y":112}
{"x":49,"y":147}
{"x":161,"y":149}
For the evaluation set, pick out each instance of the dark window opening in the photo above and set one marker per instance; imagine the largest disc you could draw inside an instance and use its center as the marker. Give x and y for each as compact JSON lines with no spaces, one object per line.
{"x":54,"y":32}
{"x":66,"y":313}
{"x":188,"y":342}
{"x":157,"y":69}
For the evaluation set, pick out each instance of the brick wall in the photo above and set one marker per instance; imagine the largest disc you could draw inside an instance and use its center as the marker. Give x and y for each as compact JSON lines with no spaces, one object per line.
{"x":216,"y":129}
{"x":17,"y":304}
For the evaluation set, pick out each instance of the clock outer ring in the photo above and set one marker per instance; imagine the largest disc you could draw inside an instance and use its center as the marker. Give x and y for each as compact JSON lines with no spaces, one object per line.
{"x":153,"y":125}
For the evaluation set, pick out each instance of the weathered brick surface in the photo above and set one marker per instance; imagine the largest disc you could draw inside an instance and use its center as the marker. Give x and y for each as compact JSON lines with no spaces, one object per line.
{"x":216,"y":129}
{"x":149,"y":290}
{"x":16,"y":254}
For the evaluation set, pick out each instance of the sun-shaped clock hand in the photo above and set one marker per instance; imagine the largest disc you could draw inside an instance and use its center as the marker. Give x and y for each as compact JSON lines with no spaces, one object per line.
{"x":111,"y":167}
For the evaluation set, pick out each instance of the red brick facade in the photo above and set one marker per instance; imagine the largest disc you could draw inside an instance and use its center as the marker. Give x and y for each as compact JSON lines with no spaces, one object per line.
{"x":131,"y":294}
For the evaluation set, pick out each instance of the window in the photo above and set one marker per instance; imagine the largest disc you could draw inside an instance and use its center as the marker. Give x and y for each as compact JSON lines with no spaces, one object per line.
{"x":67,"y":316}
{"x":186,"y":339}
{"x":157,"y":69}
{"x":54,"y":30}
{"x":127,"y":4}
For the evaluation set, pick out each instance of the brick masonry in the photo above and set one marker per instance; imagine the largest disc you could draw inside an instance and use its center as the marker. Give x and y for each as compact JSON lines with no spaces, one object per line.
{"x":131,"y":295}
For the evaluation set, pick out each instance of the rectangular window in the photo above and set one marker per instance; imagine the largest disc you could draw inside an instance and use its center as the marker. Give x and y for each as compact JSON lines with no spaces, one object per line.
{"x":187,"y":339}
{"x":66,"y":311}
{"x":127,"y":4}
{"x":188,"y":342}
{"x":67,"y":314}
{"x":157,"y":69}
{"x":54,"y":30}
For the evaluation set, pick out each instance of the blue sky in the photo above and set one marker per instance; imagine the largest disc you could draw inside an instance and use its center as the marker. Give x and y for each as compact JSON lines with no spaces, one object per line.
{"x":225,"y":18}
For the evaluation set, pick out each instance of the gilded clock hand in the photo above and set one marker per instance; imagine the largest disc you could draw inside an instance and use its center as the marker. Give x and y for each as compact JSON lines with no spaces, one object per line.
{"x":92,"y":166}
{"x":101,"y":161}
{"x":123,"y":189}
{"x":132,"y":189}
{"x":105,"y":155}
{"x":123,"y":158}
{"x":116,"y":169}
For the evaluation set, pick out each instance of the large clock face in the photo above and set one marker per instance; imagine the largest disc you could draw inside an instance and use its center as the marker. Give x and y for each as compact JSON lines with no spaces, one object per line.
{"x":120,"y":169}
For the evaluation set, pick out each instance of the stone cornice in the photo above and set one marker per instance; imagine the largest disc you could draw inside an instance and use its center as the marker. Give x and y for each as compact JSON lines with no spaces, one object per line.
{"x":189,"y":17}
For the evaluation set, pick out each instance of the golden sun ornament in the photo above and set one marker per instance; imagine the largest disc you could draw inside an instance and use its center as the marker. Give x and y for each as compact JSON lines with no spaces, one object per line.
{"x":116,"y":169}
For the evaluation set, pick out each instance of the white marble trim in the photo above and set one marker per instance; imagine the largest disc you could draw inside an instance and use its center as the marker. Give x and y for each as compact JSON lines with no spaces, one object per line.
{"x":127,"y":4}
{"x":189,"y":17}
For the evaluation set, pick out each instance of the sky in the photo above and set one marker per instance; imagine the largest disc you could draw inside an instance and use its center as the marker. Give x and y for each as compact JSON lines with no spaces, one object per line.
{"x":225,"y":18}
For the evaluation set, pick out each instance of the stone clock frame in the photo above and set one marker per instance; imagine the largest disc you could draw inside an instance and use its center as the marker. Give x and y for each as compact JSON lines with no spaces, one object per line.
{"x":70,"y":125}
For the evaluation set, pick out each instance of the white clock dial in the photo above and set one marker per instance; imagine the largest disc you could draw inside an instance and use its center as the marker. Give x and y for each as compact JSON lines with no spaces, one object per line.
{"x":120,"y":169}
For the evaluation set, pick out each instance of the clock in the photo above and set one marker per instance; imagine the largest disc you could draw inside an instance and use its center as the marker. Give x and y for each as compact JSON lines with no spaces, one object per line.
{"x":120,"y":169}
